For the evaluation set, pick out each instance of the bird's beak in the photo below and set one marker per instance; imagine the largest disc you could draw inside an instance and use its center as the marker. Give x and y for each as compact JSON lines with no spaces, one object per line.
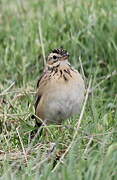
{"x":65,"y":56}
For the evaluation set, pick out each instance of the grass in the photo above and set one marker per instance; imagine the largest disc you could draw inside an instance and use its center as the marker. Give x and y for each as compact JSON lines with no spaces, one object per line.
{"x":28,"y":31}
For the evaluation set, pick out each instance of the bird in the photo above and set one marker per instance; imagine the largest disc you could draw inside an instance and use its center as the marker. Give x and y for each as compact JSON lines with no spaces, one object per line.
{"x":60,"y":90}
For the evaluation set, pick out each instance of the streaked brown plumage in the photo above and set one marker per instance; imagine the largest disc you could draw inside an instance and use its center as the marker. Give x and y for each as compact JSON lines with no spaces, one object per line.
{"x":60,"y":89}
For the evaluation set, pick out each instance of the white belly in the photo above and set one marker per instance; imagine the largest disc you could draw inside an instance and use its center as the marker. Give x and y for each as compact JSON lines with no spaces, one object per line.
{"x":64,"y":102}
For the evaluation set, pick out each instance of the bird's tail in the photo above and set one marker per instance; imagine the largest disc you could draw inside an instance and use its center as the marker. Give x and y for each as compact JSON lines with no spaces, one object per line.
{"x":37,"y":131}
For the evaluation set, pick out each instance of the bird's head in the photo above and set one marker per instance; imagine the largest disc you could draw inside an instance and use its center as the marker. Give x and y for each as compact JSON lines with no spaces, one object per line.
{"x":58,"y":55}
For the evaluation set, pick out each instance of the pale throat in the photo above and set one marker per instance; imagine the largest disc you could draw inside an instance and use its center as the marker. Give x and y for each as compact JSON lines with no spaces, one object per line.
{"x":62,"y":63}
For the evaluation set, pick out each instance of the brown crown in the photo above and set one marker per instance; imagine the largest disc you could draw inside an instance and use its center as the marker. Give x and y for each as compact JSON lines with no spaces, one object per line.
{"x":60,"y":51}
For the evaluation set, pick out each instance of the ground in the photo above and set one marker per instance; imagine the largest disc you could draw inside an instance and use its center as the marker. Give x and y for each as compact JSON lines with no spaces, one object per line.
{"x":85,"y":146}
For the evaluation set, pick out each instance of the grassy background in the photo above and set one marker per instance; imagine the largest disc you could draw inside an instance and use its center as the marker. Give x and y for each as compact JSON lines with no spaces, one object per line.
{"x":28,"y":31}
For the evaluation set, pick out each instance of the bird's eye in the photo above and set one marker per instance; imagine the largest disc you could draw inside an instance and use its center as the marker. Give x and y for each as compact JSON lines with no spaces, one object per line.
{"x":54,"y":57}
